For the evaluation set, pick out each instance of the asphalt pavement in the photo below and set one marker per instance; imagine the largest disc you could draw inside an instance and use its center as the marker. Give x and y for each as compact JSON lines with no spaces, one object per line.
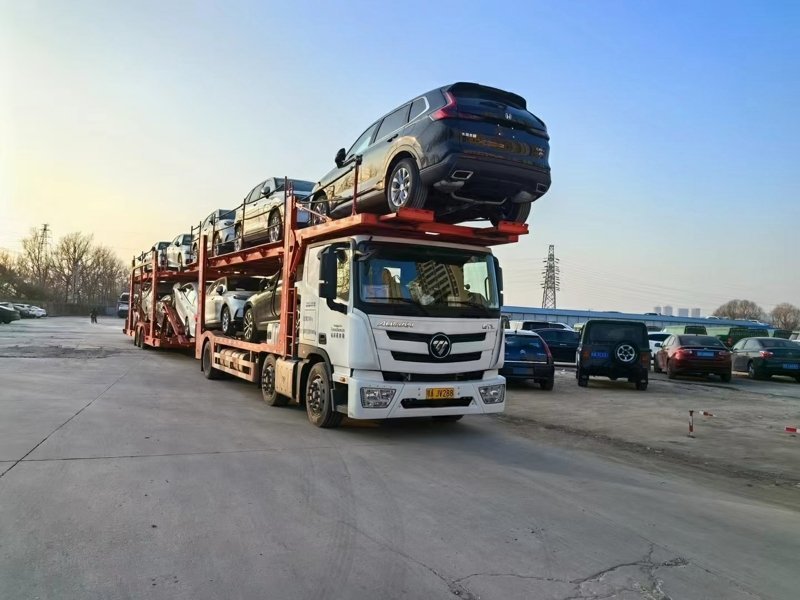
{"x":126,"y":474}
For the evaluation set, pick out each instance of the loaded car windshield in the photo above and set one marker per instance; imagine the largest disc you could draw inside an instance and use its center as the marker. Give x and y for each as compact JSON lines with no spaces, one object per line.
{"x":426,"y":281}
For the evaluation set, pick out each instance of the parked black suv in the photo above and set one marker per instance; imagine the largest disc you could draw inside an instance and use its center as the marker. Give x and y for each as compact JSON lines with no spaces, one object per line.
{"x":614,"y":349}
{"x":465,"y":150}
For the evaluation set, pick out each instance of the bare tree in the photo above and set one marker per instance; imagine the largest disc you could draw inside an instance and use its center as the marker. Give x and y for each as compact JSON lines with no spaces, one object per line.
{"x":786,"y":316}
{"x":69,"y":262}
{"x":740,"y":309}
{"x":34,"y":262}
{"x":9,"y":280}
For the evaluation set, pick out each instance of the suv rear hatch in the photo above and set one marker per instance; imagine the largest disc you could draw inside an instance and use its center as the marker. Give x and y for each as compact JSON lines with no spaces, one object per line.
{"x":497,"y":124}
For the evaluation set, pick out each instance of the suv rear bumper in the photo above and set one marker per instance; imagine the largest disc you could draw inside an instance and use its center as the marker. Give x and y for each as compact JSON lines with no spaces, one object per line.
{"x":633,"y":373}
{"x":517,"y":369}
{"x":492,"y":178}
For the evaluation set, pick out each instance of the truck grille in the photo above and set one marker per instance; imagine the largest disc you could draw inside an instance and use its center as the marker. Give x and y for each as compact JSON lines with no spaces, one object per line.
{"x":427,"y":377}
{"x":408,"y":336}
{"x":452,"y":358}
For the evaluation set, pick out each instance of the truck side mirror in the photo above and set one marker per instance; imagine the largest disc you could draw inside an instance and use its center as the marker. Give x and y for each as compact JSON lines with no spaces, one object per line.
{"x":220,"y":289}
{"x":327,"y":273}
{"x":499,"y":272}
{"x":340,"y":156}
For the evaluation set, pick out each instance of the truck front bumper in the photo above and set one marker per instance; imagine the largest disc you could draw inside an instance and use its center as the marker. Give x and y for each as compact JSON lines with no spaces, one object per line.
{"x":413,"y":399}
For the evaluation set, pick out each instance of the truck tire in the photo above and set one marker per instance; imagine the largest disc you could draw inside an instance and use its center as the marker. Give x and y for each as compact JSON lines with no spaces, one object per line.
{"x":319,"y":398}
{"x":207,"y":363}
{"x":547,"y":384}
{"x":267,"y":385}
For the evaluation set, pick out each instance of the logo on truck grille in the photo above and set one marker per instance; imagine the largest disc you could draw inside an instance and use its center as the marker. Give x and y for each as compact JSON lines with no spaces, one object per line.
{"x":440,"y":345}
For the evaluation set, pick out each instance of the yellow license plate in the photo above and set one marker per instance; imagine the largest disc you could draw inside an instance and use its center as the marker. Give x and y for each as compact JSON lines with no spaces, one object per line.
{"x":440,"y":393}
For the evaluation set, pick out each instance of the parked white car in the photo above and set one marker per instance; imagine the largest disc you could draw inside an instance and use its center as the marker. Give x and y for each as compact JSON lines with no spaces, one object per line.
{"x":656,"y":339}
{"x":226,"y":299}
{"x":179,"y":251}
{"x":184,"y":299}
{"x":37,"y":311}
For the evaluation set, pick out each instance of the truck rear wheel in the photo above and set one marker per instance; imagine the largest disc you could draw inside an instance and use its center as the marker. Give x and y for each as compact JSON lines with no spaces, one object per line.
{"x":319,"y":398}
{"x":208,"y":363}
{"x":271,"y":397}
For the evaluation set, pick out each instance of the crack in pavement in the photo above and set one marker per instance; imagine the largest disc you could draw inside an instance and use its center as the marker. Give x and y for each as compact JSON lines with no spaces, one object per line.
{"x":650,"y":590}
{"x":199,"y":453}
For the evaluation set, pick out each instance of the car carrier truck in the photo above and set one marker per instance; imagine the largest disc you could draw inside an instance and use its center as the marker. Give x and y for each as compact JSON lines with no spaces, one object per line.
{"x":381,"y":316}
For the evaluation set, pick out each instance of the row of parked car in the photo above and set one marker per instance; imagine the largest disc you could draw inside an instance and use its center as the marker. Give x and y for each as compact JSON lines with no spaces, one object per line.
{"x":623,"y":349}
{"x":466,"y":151}
{"x":13,"y":311}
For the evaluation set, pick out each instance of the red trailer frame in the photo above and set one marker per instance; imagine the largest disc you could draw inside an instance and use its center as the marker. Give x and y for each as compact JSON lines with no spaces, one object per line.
{"x":242,"y":359}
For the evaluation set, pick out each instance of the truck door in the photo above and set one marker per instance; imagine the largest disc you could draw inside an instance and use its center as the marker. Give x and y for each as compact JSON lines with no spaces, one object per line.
{"x":332,"y":313}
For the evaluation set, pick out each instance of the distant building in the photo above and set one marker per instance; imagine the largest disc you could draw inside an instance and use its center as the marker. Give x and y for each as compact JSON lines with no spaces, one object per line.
{"x":667,"y":311}
{"x":683,"y":312}
{"x":696,"y":313}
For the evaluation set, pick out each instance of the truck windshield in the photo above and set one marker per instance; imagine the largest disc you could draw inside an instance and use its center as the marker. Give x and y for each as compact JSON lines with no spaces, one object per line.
{"x":425,"y":280}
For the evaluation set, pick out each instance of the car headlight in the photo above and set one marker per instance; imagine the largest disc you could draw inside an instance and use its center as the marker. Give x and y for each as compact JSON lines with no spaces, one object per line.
{"x":493,"y":394}
{"x":377,"y":397}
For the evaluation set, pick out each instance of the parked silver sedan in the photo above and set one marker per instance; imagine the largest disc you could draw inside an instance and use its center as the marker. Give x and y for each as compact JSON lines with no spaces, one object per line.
{"x":260,"y":218}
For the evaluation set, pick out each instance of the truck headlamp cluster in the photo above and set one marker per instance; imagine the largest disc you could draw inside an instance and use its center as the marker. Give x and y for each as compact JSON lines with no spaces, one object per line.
{"x":493,"y":394}
{"x":377,"y":397}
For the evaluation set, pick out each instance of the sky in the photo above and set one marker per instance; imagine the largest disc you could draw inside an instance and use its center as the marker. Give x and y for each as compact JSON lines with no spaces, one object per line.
{"x":674,"y":128}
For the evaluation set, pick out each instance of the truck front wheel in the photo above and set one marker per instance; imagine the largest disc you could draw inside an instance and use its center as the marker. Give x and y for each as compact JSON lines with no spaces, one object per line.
{"x":319,"y":399}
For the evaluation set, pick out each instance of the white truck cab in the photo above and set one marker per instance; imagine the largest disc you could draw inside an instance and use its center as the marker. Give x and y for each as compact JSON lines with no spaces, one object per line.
{"x":407,"y":329}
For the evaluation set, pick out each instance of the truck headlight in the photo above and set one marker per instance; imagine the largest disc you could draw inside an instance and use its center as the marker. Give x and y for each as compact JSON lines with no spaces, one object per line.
{"x":376,"y":397}
{"x":493,"y":394}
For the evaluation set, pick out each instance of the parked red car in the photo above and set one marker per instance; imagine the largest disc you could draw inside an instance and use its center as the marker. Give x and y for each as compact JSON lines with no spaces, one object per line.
{"x":695,"y":355}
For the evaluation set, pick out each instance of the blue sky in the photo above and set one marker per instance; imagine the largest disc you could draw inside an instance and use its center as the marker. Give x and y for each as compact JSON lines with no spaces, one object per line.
{"x":674,"y":125}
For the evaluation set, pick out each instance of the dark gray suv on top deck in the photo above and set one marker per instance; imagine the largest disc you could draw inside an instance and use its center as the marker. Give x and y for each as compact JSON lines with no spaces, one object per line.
{"x":465,"y":151}
{"x":614,"y":349}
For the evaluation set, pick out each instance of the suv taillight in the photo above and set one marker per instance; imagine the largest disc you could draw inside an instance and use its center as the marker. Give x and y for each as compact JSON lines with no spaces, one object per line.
{"x":450,"y":110}
{"x":547,"y":351}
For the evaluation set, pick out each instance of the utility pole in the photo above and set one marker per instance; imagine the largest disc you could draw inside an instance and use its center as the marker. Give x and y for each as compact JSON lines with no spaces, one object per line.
{"x":551,"y":281}
{"x":43,"y":258}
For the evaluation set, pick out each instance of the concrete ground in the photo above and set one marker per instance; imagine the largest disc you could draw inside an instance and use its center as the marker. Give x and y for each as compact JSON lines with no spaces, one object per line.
{"x":745,"y":437}
{"x":125,"y":474}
